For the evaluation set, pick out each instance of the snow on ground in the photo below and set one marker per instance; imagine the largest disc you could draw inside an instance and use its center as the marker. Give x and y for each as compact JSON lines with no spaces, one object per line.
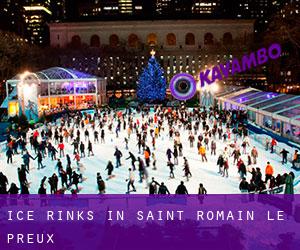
{"x":205,"y":173}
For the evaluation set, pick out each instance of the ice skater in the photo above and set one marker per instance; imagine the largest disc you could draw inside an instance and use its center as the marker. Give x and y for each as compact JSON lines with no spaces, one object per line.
{"x":133,"y":160}
{"x":171,"y":167}
{"x":118,"y":155}
{"x":109,"y":169}
{"x":186,"y":169}
{"x":130,"y":181}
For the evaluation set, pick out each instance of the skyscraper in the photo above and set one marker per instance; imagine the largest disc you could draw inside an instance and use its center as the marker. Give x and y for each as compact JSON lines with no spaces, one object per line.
{"x":12,"y":16}
{"x":58,"y":9}
{"x":163,"y":6}
{"x":37,"y":14}
{"x":125,"y":6}
{"x":109,"y":7}
{"x":206,"y":7}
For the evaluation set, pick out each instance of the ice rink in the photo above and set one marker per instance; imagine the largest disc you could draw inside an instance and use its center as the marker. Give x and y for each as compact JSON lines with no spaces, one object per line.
{"x":206,"y":173}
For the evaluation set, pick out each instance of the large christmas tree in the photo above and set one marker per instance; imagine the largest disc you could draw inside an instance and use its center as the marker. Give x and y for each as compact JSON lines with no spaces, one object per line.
{"x":152,"y":82}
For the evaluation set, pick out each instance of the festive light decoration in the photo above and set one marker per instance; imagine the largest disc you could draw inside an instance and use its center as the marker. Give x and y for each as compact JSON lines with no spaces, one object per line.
{"x":152,"y":82}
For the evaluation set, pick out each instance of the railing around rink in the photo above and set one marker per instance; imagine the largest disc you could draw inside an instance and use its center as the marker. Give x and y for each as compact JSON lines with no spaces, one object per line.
{"x":3,"y":147}
{"x":276,"y":190}
{"x":261,"y":138}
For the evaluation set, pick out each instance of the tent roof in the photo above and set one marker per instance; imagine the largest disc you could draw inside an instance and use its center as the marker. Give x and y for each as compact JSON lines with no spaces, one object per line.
{"x":58,"y":73}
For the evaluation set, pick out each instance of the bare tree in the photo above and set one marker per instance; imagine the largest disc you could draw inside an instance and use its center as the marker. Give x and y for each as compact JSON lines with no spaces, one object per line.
{"x":13,"y":50}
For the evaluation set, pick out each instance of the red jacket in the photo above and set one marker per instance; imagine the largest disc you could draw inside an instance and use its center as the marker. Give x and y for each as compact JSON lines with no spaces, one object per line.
{"x":274,"y":142}
{"x":77,"y":157}
{"x":35,"y":134}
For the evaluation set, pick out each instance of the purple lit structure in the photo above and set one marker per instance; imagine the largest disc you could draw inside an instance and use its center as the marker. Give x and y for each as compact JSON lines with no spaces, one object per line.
{"x":58,"y":89}
{"x":279,"y":113}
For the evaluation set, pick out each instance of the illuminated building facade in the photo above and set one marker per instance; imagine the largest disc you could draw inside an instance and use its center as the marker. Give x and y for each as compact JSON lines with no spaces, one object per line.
{"x":37,"y":14}
{"x":53,"y":90}
{"x":110,"y":8}
{"x":206,"y":7}
{"x":125,"y":6}
{"x":181,"y":46}
{"x":163,"y":6}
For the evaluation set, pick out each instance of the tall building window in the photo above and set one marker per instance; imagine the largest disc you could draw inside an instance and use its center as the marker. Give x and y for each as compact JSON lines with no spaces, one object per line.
{"x":152,"y":39}
{"x":171,"y":39}
{"x":95,"y":41}
{"x":190,"y":39}
{"x":208,"y":39}
{"x":125,"y":6}
{"x":113,"y":40}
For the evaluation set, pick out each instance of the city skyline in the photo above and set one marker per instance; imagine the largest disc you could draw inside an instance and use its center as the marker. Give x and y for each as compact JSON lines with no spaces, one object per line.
{"x":30,"y":18}
{"x":79,"y":40}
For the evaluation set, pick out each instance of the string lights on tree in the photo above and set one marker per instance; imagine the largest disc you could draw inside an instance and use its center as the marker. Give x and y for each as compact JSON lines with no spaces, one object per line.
{"x":152,"y":82}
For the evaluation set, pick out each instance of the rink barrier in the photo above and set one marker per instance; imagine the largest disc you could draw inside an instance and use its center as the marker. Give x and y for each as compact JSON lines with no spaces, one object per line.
{"x":261,"y":138}
{"x":3,"y":147}
{"x":254,"y":128}
{"x":277,"y":190}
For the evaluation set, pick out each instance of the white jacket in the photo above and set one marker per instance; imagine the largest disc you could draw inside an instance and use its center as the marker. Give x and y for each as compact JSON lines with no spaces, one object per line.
{"x":131,"y":176}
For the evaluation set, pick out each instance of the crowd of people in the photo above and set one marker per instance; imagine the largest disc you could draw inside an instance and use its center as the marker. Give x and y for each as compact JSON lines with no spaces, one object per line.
{"x":210,"y":131}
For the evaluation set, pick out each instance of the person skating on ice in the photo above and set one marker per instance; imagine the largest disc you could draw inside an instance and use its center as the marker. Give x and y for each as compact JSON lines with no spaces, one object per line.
{"x":75,"y":180}
{"x":53,"y":152}
{"x":153,"y":161}
{"x":163,"y":189}
{"x":13,"y":189}
{"x":133,"y":160}
{"x":213,"y":147}
{"x":186,"y":169}
{"x":147,"y":157}
{"x":59,"y":166}
{"x":254,"y":155}
{"x":68,"y":160}
{"x":126,"y":143}
{"x":118,"y":154}
{"x":39,"y":158}
{"x":202,"y":152}
{"x":9,"y":155}
{"x":3,"y":183}
{"x":201,"y":189}
{"x":53,"y":181}
{"x":42,"y":188}
{"x":139,"y":144}
{"x":96,"y":136}
{"x":181,"y":189}
{"x":109,"y":169}
{"x":175,"y":155}
{"x":284,"y":154}
{"x":100,"y":184}
{"x":82,"y":150}
{"x":141,"y":169}
{"x":171,"y":167}
{"x":90,"y":149}
{"x":169,"y":154}
{"x":61,"y":147}
{"x":220,"y":163}
{"x":130,"y":181}
{"x":86,"y":135}
{"x":22,"y":175}
{"x":153,"y":187}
